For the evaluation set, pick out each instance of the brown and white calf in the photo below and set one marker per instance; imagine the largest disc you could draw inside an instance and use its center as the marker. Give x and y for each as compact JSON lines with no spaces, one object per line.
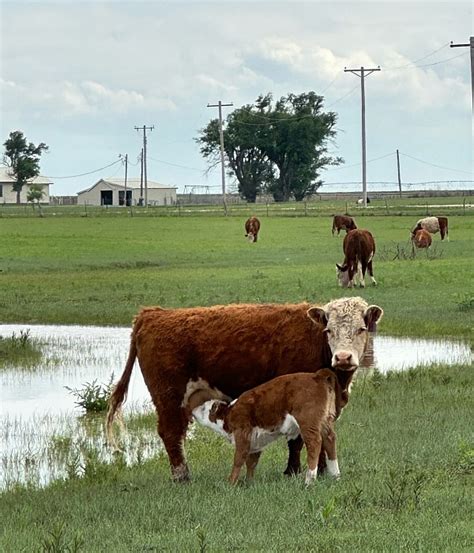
{"x":300,"y":404}
{"x":433,"y":225}
{"x":252,"y":227}
{"x":343,"y":222}
{"x":359,"y":250}
{"x":421,"y":239}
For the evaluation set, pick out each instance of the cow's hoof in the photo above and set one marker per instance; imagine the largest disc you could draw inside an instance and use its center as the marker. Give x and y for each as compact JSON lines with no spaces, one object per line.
{"x":180,"y":474}
{"x":292,"y":470}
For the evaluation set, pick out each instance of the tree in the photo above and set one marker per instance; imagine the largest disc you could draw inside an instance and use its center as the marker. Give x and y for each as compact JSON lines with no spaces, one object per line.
{"x":35,"y":194}
{"x":280,"y":149}
{"x":23,"y":159}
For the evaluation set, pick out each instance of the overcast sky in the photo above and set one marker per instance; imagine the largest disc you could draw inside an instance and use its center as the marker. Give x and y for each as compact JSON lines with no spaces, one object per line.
{"x":80,"y":75}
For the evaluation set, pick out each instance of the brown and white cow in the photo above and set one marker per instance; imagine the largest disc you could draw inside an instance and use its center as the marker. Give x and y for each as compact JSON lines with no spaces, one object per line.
{"x":421,"y":239}
{"x":359,"y":250}
{"x":289,"y":406}
{"x":252,"y":227}
{"x":235,"y":348}
{"x":433,"y":225}
{"x":343,"y":222}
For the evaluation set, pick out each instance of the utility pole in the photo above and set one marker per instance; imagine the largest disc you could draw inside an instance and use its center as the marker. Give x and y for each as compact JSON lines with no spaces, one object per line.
{"x":145,"y":128}
{"x":471,"y":46}
{"x":140,"y":201}
{"x":399,"y":177}
{"x":363,"y":73}
{"x":221,"y":136}
{"x":125,"y":160}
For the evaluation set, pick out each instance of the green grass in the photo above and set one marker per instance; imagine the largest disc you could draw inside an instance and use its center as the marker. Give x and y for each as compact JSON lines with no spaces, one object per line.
{"x":19,"y":350}
{"x":101,"y":270}
{"x":406,"y":456}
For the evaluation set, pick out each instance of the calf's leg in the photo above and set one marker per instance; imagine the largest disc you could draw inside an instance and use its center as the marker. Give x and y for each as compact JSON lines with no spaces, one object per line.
{"x":329,"y":446}
{"x":313,"y":442}
{"x":242,"y":448}
{"x":252,"y":461}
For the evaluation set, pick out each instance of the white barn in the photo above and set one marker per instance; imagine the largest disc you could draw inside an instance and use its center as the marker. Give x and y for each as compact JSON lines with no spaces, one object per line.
{"x":8,"y":195}
{"x":111,"y":191}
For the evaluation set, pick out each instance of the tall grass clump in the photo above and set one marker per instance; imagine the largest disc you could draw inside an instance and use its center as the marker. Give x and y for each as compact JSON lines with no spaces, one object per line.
{"x":93,"y":397}
{"x":19,"y":350}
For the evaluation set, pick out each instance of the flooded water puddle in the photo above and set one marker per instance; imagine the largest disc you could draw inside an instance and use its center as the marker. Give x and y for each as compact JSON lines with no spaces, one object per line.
{"x":44,"y":436}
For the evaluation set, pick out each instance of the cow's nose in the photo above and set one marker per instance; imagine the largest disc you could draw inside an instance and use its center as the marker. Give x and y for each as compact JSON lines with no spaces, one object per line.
{"x":343,"y":358}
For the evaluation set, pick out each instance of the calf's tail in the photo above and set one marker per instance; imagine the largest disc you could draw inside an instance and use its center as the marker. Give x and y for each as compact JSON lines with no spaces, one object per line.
{"x":119,"y":394}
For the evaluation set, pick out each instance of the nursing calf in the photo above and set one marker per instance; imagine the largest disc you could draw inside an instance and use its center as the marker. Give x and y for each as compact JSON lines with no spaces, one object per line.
{"x":359,"y":250}
{"x":235,"y":348}
{"x":288,"y":406}
{"x":432,"y":225}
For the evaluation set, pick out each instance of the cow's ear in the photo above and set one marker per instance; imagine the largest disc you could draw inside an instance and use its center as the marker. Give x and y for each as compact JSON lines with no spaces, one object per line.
{"x":339,"y":267}
{"x":372,"y":316}
{"x":317,"y":315}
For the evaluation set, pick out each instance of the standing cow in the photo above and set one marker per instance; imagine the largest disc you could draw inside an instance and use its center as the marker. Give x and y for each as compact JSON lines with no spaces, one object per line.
{"x":252,"y":226}
{"x":343,"y":222}
{"x":359,"y":250}
{"x":234,"y":348}
{"x":433,"y":225}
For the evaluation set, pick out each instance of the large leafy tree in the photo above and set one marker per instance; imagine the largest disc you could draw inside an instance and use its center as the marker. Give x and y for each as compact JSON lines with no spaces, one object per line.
{"x":23,"y":159}
{"x":280,"y":149}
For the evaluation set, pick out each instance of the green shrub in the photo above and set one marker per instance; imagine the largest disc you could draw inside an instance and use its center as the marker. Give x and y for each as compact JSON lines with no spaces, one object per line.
{"x":93,"y":397}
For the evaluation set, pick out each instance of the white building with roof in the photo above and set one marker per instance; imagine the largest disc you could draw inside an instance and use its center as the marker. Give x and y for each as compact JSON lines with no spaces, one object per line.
{"x":8,"y":195}
{"x":112,"y":191}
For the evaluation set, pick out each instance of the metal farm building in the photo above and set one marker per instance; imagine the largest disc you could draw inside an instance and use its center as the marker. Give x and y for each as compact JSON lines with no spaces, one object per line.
{"x":113,"y":192}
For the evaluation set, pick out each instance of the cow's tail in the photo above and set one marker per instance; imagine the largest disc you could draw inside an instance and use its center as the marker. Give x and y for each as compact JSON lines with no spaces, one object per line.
{"x":119,"y":395}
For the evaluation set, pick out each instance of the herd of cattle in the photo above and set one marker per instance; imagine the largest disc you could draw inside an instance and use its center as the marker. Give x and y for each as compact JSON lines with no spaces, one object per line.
{"x":256,"y":372}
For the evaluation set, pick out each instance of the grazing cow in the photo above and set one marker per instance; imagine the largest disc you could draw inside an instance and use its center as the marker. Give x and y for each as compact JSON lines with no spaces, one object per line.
{"x":360,"y":201}
{"x":235,"y":348}
{"x":343,"y":222}
{"x":359,"y":250}
{"x":433,"y":225}
{"x":252,"y":226}
{"x":292,"y":405}
{"x":421,"y":239}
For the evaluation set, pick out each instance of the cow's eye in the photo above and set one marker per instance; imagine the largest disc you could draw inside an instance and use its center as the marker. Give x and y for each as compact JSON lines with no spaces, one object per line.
{"x":327,"y":330}
{"x":361,"y":330}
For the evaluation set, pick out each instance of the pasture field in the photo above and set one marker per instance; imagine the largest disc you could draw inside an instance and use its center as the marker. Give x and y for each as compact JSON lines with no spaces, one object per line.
{"x":405,"y":441}
{"x":406,"y":456}
{"x":101,"y":270}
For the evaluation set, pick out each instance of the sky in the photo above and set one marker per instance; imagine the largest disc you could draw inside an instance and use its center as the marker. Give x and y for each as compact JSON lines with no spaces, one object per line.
{"x":80,"y":76}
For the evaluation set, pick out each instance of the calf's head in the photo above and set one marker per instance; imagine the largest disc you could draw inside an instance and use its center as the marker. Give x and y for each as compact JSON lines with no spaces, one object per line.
{"x":347,"y":323}
{"x":342,"y":273}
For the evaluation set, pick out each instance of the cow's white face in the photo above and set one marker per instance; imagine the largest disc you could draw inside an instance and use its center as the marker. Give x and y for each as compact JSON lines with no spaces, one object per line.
{"x":250,"y":237}
{"x":347,"y":322}
{"x":342,"y":274}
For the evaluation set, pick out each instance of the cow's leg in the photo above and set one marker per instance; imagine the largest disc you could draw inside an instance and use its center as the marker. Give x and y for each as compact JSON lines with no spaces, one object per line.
{"x":242,"y":448}
{"x":294,"y":462}
{"x":172,"y":426}
{"x":252,"y":461}
{"x":329,"y":447}
{"x":371,"y":272}
{"x":351,"y":272}
{"x":361,"y":268}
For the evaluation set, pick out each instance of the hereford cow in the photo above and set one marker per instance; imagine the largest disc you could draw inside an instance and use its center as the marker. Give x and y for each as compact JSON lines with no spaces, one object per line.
{"x":421,"y":239}
{"x":292,"y":405}
{"x":433,"y":225}
{"x":343,"y":222}
{"x":235,"y":348}
{"x":359,"y":250}
{"x":252,"y":226}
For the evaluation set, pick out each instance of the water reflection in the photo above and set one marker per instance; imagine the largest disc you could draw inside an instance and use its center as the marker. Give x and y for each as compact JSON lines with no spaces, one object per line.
{"x":43,"y":434}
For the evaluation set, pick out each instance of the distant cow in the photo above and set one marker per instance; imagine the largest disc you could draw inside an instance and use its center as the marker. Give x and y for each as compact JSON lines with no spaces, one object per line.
{"x":422,"y":239}
{"x":433,"y":225}
{"x":292,"y":405}
{"x":359,"y":250}
{"x":343,"y":222}
{"x":252,"y":226}
{"x":360,"y":201}
{"x":235,"y":348}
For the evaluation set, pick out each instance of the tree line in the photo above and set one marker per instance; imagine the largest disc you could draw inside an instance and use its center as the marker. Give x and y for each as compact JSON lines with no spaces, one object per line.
{"x":279,"y":148}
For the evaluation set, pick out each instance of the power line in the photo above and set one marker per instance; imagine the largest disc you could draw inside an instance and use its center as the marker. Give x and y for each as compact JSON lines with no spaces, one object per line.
{"x":437,"y":166}
{"x":84,"y":174}
{"x":175,"y":164}
{"x":412,"y":63}
{"x":357,"y":164}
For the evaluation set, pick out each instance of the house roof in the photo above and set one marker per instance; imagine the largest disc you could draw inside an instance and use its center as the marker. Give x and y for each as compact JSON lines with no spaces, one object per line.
{"x":131,"y":184}
{"x":5,"y":177}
